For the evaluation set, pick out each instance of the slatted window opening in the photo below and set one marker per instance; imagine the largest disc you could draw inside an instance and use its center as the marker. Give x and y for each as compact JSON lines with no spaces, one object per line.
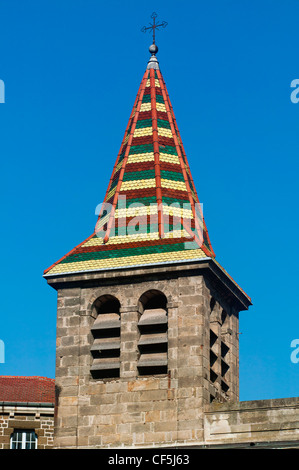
{"x":219,"y":351}
{"x":213,"y":356}
{"x":224,"y":349}
{"x":105,"y":349}
{"x":153,"y":339}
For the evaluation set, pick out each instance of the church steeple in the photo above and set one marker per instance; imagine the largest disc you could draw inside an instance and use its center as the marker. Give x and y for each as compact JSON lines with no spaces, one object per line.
{"x":145,"y":315}
{"x":151,"y":212}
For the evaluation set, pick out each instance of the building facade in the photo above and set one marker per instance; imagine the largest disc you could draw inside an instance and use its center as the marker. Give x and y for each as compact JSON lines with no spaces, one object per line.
{"x":147,"y":319}
{"x":26,"y":412}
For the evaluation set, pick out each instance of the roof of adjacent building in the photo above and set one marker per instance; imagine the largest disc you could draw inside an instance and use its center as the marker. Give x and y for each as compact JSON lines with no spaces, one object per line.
{"x":151,"y":213}
{"x":27,"y":389}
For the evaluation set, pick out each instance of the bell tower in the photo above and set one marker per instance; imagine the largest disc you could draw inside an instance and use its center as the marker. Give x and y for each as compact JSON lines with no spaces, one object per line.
{"x":147,"y":319}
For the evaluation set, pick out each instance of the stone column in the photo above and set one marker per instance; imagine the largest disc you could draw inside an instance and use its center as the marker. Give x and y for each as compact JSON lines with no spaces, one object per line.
{"x":129,"y":342}
{"x":191,"y":340}
{"x":67,"y":367}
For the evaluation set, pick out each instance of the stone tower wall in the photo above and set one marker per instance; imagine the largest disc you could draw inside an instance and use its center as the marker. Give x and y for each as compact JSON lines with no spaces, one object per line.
{"x":142,"y":411}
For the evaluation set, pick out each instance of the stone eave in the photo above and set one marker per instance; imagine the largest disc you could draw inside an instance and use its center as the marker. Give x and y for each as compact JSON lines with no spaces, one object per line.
{"x":217,"y":276}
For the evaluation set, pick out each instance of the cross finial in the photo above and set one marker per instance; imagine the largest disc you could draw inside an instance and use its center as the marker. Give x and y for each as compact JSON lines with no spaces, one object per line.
{"x":153,"y":26}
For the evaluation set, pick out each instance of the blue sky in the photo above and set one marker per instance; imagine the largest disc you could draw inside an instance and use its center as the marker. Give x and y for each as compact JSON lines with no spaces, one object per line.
{"x":71,"y":70}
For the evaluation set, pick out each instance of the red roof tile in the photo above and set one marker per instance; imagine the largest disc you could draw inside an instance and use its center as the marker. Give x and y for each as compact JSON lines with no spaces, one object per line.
{"x":27,"y":389}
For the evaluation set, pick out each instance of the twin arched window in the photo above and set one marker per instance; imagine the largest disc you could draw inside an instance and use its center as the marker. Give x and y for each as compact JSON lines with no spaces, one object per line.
{"x":152,"y":341}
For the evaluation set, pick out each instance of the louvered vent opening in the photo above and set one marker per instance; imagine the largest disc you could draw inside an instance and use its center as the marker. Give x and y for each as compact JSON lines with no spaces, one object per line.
{"x":213,"y":356}
{"x":105,"y":349}
{"x":219,"y":351}
{"x":224,"y":349}
{"x":213,"y":338}
{"x":223,"y":316}
{"x":153,"y":339}
{"x":224,"y":386}
{"x":213,"y":376}
{"x":224,"y":366}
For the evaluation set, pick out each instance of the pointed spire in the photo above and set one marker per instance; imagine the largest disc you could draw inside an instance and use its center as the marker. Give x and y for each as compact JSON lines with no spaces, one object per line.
{"x":151,"y":212}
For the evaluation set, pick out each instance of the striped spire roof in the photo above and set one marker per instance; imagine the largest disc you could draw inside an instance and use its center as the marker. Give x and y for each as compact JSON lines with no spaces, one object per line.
{"x":151,"y":212}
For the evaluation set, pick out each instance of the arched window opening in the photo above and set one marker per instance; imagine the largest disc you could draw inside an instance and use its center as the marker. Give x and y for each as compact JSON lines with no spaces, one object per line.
{"x":153,"y":340}
{"x":105,"y":349}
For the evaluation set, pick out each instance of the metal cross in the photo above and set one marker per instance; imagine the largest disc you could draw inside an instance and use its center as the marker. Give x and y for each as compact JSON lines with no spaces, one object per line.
{"x":154,"y":26}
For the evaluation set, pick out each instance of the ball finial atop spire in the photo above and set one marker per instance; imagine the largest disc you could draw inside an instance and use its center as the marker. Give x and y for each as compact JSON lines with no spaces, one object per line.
{"x":153,"y":49}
